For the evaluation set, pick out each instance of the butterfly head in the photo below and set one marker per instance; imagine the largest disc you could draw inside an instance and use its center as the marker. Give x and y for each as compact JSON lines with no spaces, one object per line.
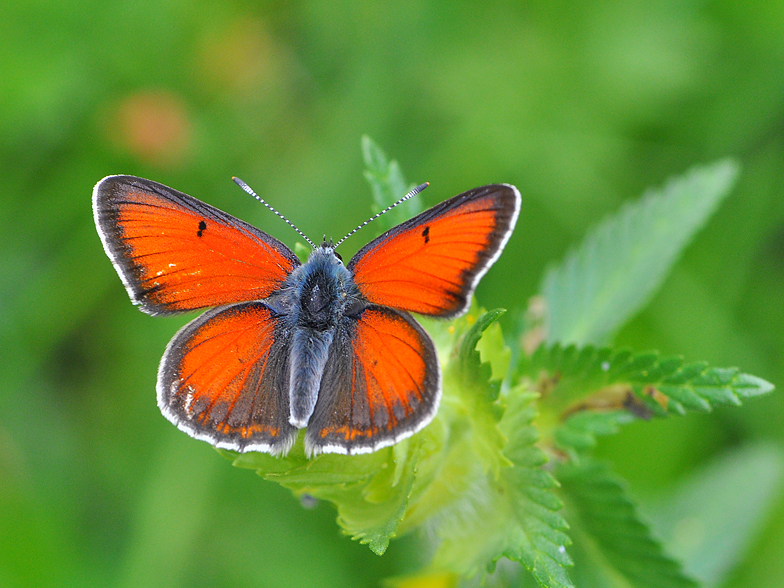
{"x":327,"y":245}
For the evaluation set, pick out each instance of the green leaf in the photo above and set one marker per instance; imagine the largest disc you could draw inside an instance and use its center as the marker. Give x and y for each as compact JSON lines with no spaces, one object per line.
{"x":577,"y":434}
{"x":372,"y":512}
{"x":302,"y":251}
{"x":514,"y":516}
{"x":370,"y":491}
{"x":573,"y":380}
{"x":476,"y":478}
{"x":388,"y":186}
{"x":712,"y":517}
{"x":623,"y":261}
{"x":464,"y":440}
{"x":612,"y":547}
{"x":483,"y":493}
{"x":473,"y":381}
{"x":536,"y":531}
{"x":468,"y":357}
{"x":493,"y":350}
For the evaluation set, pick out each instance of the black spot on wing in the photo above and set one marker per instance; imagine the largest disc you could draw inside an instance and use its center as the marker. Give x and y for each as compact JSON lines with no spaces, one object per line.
{"x":426,"y":234}
{"x":202,"y":228}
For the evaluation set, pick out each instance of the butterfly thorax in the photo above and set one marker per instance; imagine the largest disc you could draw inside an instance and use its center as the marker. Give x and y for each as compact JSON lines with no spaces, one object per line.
{"x":319,"y":298}
{"x":320,"y":290}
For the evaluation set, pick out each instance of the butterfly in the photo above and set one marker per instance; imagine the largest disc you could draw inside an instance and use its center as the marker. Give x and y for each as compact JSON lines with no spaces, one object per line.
{"x":285,"y":345}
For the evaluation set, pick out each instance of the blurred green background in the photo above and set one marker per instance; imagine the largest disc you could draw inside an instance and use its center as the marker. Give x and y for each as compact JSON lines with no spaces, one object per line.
{"x":582,"y":105}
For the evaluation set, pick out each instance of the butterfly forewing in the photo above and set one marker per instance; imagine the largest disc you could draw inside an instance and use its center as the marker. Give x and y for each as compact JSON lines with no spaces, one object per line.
{"x":381,"y":384}
{"x":176,"y":253}
{"x":432,"y":263}
{"x":224,"y":378}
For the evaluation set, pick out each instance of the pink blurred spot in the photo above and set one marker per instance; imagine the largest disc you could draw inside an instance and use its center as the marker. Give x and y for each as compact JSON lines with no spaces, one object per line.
{"x":154,"y":126}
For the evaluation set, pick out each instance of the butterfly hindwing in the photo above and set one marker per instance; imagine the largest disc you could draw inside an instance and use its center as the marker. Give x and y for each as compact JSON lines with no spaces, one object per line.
{"x":175,"y":253}
{"x":224,"y":378}
{"x":431,"y":263}
{"x":381,"y":384}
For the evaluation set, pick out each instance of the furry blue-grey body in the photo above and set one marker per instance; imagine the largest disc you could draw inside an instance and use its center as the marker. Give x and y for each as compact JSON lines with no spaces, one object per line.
{"x":316,"y":299}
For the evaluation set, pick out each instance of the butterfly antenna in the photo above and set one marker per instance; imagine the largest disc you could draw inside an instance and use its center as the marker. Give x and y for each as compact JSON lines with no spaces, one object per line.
{"x":408,"y":196}
{"x":250,"y":191}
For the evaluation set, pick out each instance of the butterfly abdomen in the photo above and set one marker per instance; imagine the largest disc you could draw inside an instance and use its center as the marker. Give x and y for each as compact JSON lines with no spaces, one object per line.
{"x":309,"y":353}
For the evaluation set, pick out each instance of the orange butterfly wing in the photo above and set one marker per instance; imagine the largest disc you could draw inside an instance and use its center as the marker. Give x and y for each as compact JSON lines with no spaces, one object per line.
{"x":431,"y":264}
{"x":381,"y":384}
{"x":224,"y":378}
{"x":175,"y":253}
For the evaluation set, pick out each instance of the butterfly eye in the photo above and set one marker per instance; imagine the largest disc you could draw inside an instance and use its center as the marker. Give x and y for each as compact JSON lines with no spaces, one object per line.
{"x":340,"y":257}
